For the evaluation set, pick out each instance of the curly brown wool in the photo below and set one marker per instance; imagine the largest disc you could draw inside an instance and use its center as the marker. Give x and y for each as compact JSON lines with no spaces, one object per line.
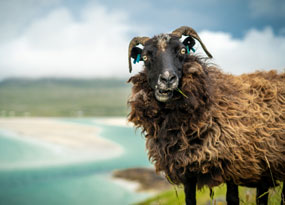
{"x":228,"y":128}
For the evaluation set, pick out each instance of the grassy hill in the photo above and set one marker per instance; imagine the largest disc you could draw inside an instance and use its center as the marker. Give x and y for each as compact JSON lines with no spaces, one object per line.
{"x":246,"y":195}
{"x":50,"y":97}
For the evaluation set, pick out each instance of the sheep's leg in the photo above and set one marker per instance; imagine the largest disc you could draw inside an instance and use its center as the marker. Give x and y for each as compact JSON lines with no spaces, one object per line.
{"x":232,"y":193}
{"x":190,"y":191}
{"x":283,"y":194}
{"x":261,"y":194}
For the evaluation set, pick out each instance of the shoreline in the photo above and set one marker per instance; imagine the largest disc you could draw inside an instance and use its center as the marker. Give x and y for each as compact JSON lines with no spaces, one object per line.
{"x":115,"y":121}
{"x":72,"y":142}
{"x":75,"y":144}
{"x":61,"y":138}
{"x":142,"y":179}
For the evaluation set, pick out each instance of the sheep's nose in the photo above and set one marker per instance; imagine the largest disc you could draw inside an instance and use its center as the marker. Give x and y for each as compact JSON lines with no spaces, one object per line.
{"x":168,"y":78}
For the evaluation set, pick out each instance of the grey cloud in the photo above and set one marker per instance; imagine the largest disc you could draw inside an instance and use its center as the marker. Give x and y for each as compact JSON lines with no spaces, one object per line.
{"x":267,"y":8}
{"x":15,"y":15}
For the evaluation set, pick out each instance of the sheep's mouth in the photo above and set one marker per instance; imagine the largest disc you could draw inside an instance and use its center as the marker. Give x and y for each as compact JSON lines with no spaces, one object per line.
{"x":163,"y":95}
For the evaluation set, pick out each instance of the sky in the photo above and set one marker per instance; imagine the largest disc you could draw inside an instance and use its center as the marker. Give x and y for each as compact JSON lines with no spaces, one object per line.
{"x":89,"y":38}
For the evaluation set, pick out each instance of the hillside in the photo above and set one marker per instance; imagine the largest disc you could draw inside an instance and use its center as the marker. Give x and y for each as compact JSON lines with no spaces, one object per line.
{"x":55,"y":97}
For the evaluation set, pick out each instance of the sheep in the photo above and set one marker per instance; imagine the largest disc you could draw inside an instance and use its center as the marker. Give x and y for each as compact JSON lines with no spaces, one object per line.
{"x":205,"y":127}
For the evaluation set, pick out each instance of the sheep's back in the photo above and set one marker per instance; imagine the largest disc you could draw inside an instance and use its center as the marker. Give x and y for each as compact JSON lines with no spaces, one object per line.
{"x":250,"y":112}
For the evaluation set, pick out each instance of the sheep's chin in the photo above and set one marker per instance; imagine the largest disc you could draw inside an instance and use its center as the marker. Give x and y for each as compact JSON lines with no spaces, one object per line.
{"x":163,"y":96}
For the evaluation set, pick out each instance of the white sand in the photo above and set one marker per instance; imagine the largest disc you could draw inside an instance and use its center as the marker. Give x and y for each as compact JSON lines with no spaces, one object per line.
{"x":127,"y":184}
{"x":71,"y":142}
{"x":76,"y":140}
{"x":116,"y":121}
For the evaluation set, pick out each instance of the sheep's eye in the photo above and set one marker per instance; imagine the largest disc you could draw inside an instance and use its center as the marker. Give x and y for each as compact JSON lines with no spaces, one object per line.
{"x":183,"y":51}
{"x":144,"y":58}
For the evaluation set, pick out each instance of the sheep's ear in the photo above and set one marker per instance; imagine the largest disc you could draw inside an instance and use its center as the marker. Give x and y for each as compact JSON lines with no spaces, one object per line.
{"x":189,"y":42}
{"x":134,"y":42}
{"x":188,"y":31}
{"x":136,"y":54}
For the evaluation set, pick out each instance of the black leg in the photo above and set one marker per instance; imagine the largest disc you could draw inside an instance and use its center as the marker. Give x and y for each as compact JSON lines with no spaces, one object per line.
{"x":283,"y":194}
{"x":190,"y":191}
{"x":261,"y":194}
{"x":232,"y":193}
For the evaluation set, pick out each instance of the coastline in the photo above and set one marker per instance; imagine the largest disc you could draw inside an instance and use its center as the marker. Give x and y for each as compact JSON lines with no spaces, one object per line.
{"x":115,"y":121}
{"x":71,"y":141}
{"x":71,"y":149}
{"x":142,"y":180}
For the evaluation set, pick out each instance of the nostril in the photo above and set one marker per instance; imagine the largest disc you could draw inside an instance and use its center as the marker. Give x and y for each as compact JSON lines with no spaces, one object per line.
{"x":164,"y":79}
{"x":167,"y":78}
{"x":172,"y":79}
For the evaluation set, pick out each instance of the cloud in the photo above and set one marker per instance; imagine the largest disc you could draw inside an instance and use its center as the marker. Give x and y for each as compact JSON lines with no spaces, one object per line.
{"x":272,"y":8}
{"x":15,"y":15}
{"x":93,"y":45}
{"x":258,"y":50}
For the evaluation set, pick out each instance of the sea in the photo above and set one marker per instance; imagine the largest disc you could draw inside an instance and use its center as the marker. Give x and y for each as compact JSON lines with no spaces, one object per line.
{"x":78,"y":183}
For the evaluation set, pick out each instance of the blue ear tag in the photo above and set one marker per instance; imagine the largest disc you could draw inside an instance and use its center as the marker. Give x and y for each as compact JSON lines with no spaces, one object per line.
{"x":137,"y":59}
{"x":193,"y":49}
{"x":188,"y":51}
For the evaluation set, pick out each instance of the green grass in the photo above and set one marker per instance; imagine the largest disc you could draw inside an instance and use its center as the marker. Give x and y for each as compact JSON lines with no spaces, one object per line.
{"x":176,"y":196}
{"x":64,"y":97}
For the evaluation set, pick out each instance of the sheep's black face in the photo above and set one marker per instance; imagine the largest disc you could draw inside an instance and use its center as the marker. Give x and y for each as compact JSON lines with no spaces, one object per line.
{"x":164,"y":56}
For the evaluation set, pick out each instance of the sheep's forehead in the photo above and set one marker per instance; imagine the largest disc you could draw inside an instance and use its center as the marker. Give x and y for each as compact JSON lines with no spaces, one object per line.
{"x":162,"y":41}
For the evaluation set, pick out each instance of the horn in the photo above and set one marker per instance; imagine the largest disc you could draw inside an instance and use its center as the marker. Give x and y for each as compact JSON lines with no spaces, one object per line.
{"x":188,"y":31}
{"x":134,"y":42}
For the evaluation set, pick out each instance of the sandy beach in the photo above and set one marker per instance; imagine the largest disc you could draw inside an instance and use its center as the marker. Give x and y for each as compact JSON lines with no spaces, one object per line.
{"x":116,"y":121}
{"x":72,"y":139}
{"x":72,"y":142}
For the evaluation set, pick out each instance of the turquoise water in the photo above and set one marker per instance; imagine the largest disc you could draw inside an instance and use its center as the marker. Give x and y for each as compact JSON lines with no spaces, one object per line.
{"x":80,"y":183}
{"x":16,"y":151}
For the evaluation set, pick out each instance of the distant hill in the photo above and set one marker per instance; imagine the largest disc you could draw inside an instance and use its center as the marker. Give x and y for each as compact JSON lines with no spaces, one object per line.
{"x":69,"y":82}
{"x":63,"y":97}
